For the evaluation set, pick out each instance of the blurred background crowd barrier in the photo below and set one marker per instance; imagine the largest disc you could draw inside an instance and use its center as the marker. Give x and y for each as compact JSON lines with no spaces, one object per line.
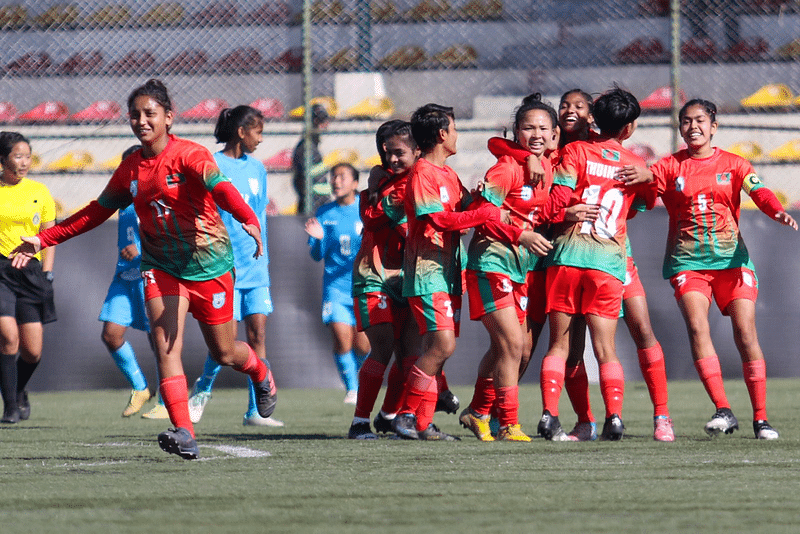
{"x":66,"y":69}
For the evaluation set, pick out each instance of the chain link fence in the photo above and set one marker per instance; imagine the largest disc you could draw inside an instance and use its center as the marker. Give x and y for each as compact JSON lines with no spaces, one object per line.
{"x":67,"y":69}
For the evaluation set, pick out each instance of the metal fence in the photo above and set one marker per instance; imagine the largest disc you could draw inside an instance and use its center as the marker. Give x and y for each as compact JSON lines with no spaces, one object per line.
{"x":67,"y":69}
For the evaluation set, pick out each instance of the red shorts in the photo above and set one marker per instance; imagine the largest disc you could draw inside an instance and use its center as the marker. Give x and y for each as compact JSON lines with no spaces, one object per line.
{"x":537,"y":296}
{"x":439,"y":311}
{"x":210,"y":301}
{"x":376,"y":308}
{"x":579,"y":291}
{"x":632,"y":287}
{"x":724,"y":285}
{"x":489,"y":292}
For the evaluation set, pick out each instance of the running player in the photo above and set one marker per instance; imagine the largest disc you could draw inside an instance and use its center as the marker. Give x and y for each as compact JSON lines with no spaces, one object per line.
{"x":124,"y":306}
{"x":187,"y":260}
{"x":589,"y":258}
{"x":240,"y":129}
{"x":706,"y":257}
{"x":26,"y":296}
{"x":497,"y":271}
{"x":335,"y":238}
{"x":432,"y":265}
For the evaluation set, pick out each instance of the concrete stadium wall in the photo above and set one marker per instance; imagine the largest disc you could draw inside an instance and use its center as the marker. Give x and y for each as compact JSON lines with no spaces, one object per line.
{"x":298,"y":345}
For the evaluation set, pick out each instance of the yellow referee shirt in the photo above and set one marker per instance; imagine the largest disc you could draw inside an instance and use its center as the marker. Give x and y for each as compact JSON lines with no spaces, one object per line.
{"x":24,"y":207}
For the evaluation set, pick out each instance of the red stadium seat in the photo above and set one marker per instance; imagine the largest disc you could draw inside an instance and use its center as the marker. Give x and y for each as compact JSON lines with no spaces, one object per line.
{"x":8,"y":112}
{"x":208,"y":109}
{"x":289,"y":61}
{"x":270,"y":13}
{"x":698,"y":50}
{"x":243,"y":60}
{"x":82,"y":63}
{"x":216,"y":14}
{"x":661,"y":99}
{"x":190,"y":61}
{"x":100,"y":111}
{"x":280,"y":161}
{"x":752,"y":49}
{"x":271,"y":108}
{"x":134,"y":61}
{"x":49,"y":111}
{"x":30,"y":64}
{"x":642,"y":50}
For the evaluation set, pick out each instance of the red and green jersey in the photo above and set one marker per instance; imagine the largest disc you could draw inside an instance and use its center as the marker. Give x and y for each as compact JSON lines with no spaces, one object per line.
{"x":702,"y":197}
{"x":379,"y":263}
{"x":588,"y":168}
{"x":432,"y":260}
{"x":506,"y":185}
{"x":181,"y":230}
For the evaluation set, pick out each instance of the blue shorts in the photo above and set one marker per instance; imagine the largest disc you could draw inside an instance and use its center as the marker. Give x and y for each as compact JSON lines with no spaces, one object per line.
{"x":337,"y":307}
{"x":250,"y":301}
{"x":124,"y":304}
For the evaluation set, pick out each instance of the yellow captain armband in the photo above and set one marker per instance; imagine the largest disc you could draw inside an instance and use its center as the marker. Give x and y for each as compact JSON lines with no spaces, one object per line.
{"x":751,"y":183}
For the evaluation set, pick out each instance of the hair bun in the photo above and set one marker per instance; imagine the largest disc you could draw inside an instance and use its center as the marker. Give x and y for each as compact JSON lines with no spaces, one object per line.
{"x":530,"y":99}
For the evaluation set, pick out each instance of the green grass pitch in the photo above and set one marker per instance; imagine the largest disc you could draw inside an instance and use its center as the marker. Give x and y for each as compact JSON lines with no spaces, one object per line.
{"x":77,"y":466}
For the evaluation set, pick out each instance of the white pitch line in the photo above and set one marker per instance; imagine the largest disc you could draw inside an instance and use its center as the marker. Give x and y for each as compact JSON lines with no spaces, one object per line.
{"x":240,"y":452}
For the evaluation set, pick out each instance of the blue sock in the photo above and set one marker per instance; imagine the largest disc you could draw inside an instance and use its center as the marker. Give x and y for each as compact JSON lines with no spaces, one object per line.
{"x":206,"y":380}
{"x":252,"y":409}
{"x":125,"y":359}
{"x":348,"y":370}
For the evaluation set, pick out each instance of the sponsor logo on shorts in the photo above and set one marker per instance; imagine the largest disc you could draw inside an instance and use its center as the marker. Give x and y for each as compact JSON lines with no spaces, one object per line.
{"x":523,"y":303}
{"x":218,"y":300}
{"x":747,"y":279}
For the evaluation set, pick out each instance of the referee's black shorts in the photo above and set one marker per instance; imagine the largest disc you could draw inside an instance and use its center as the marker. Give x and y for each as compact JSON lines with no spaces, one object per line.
{"x":25,"y":293}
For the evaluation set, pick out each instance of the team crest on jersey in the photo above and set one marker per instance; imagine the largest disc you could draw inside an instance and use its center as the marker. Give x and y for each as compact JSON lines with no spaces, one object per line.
{"x":134,"y":188}
{"x":175,"y":179}
{"x":680,"y":183}
{"x":444,"y":196}
{"x":253,"y":185}
{"x":611,"y":155}
{"x":218,"y":300}
{"x":526,"y":193}
{"x":359,"y":227}
{"x":724,"y":178}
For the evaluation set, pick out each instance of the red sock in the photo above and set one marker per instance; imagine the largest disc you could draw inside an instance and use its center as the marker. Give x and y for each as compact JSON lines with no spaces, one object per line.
{"x":755,"y":376}
{"x":551,"y":380}
{"x":417,"y":384}
{"x":428,"y":406}
{"x":483,"y":397}
{"x":576,"y":382}
{"x":508,"y":405}
{"x":612,"y":385}
{"x":654,"y":371}
{"x":254,"y":366}
{"x":370,"y":379}
{"x":175,"y":395}
{"x":441,"y":381}
{"x":711,"y":375}
{"x":394,"y":390}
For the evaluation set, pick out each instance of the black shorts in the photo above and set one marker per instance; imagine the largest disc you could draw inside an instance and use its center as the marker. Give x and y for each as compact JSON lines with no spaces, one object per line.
{"x":26,"y":294}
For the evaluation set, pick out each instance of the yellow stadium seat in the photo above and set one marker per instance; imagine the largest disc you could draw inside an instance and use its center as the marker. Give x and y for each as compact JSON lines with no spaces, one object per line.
{"x":773,"y":95}
{"x":340,"y":155}
{"x":746,"y":149}
{"x":375,"y":108}
{"x":787,"y":152}
{"x":371,"y":161}
{"x":327,"y":102}
{"x":71,"y":162}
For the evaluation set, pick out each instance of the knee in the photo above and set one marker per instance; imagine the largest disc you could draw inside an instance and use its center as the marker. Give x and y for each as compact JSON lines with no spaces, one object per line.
{"x":111,"y":340}
{"x":227,"y":358}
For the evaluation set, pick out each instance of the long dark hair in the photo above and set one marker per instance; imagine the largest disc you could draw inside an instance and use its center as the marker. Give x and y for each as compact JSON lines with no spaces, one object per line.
{"x":231,"y":119}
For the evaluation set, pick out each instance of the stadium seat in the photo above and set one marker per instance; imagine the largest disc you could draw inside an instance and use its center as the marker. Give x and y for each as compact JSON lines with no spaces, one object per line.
{"x":216,"y":14}
{"x":482,"y":11}
{"x":205,"y":110}
{"x":270,"y":108}
{"x":787,"y":152}
{"x":774,"y":95}
{"x":59,"y":16}
{"x":280,"y":161}
{"x":371,"y":161}
{"x":110,"y":16}
{"x":642,"y":50}
{"x":49,"y":111}
{"x":661,"y":99}
{"x":274,"y":12}
{"x":8,"y":112}
{"x":190,"y":61}
{"x":100,"y":111}
{"x":289,"y":61}
{"x":750,"y":49}
{"x":340,"y":155}
{"x":384,"y":11}
{"x":111,"y":164}
{"x":327,"y":102}
{"x":698,"y":50}
{"x":81,"y":64}
{"x":71,"y":162}
{"x":30,"y":64}
{"x":746,"y":149}
{"x":373,"y":108}
{"x":325,"y":11}
{"x":242,"y":60}
{"x":789,"y":51}
{"x":344,"y":60}
{"x":169,"y":14}
{"x":134,"y":62}
{"x":404,"y":57}
{"x":13,"y":17}
{"x":455,"y":57}
{"x":430,"y":11}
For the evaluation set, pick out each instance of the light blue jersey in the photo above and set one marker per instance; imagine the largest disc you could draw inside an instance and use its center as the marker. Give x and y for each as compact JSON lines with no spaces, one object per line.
{"x":128,"y":234}
{"x":249,"y":177}
{"x":341,"y":226}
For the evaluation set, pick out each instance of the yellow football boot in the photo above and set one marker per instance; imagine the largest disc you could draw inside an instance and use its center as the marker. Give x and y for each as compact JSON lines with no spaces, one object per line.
{"x":478,"y":424}
{"x":138,"y":398}
{"x":512,"y":433}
